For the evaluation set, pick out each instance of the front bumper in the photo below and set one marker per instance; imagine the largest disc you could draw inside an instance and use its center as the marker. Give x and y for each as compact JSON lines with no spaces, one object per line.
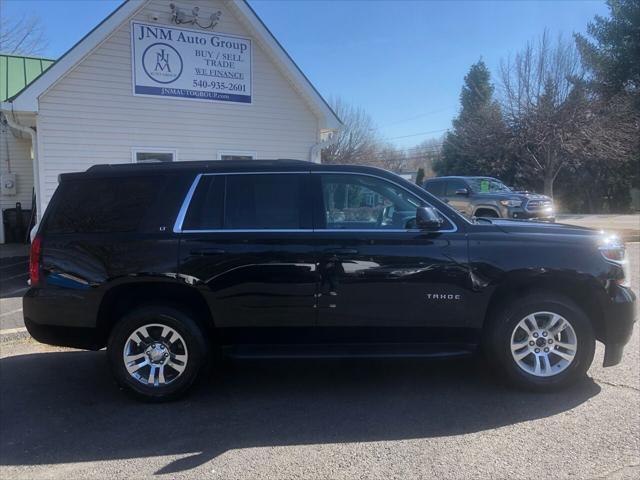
{"x":619,"y":319}
{"x":548,"y":215}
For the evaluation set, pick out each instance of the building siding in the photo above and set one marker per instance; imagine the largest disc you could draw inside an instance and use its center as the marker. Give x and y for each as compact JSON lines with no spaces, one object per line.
{"x":90,"y":116}
{"x":15,"y":157}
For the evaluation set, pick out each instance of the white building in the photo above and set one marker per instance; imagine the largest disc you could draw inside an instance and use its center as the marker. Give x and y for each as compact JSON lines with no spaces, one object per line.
{"x":158,"y":80}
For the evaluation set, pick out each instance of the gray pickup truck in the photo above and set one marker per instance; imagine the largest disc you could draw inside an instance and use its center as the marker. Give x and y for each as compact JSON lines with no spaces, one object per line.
{"x":489,"y":197}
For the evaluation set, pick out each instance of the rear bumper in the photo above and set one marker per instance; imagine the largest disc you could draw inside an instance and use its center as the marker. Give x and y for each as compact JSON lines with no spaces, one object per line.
{"x":61,"y":317}
{"x":619,"y":319}
{"x":74,"y":337}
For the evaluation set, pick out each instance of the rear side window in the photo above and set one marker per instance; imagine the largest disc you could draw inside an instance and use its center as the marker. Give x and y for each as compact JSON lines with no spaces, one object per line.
{"x":435,"y":188}
{"x":265,"y":202}
{"x":100,"y":205}
{"x":454,"y":185}
{"x":249,"y":202}
{"x":206,"y":208}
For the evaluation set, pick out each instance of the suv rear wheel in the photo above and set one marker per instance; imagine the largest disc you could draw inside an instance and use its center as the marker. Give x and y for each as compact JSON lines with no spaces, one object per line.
{"x":541,"y":342}
{"x":157,"y":352}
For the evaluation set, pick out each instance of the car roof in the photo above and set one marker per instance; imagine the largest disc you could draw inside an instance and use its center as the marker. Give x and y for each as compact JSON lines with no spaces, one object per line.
{"x":211,"y":165}
{"x":458,"y":177}
{"x":219,"y":166}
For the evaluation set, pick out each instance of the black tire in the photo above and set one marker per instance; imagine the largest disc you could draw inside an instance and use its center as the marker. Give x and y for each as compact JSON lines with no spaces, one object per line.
{"x":486,"y":213}
{"x":180,"y":321}
{"x":497,"y":342}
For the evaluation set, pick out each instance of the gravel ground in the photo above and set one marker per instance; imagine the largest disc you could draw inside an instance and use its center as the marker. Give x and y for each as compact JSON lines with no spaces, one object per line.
{"x":61,"y":416}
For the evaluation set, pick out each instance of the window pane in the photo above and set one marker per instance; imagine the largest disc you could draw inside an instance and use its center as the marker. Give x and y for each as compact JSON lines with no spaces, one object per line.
{"x":485,"y":185}
{"x":266,"y":202}
{"x":151,"y":157}
{"x":205,"y":210}
{"x":454,"y":185}
{"x":362,"y":202}
{"x":114,"y":204}
{"x":435,"y":188}
{"x":236,"y":157}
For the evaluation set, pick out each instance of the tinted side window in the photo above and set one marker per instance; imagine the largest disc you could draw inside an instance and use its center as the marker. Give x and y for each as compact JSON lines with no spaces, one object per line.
{"x":207,"y":205}
{"x":267,"y":201}
{"x":99,"y":205}
{"x":435,"y":188}
{"x":453,"y":185}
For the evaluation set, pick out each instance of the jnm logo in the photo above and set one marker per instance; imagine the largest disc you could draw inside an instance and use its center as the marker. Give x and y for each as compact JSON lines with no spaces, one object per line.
{"x":162,"y":63}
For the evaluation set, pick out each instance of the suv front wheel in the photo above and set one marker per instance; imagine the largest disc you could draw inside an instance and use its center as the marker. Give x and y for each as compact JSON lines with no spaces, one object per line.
{"x":541,"y":342}
{"x":157,"y":352}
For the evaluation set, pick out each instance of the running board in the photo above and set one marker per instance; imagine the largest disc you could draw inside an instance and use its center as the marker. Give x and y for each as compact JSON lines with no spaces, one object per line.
{"x":349,"y":351}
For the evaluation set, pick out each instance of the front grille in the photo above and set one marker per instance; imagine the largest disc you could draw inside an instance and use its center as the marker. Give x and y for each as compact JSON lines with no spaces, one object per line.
{"x":533,"y":205}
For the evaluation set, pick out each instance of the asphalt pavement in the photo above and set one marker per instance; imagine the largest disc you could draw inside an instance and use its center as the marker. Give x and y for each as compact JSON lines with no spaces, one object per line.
{"x":13,"y":283}
{"x":61,"y":415}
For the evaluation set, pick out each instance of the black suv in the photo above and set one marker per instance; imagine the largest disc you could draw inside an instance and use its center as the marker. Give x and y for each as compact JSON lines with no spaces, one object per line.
{"x":490,"y":198}
{"x":167,"y":264}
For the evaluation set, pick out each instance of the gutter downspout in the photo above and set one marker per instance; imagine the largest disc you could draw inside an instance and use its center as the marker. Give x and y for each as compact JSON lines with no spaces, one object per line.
{"x":36,"y":165}
{"x":316,"y":149}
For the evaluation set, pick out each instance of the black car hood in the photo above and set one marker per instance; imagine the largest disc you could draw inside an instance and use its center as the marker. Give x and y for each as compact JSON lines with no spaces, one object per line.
{"x":527,"y":227}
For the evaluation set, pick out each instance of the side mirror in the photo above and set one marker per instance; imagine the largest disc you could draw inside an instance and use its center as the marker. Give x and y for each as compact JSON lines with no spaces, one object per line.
{"x":462,"y":191}
{"x":427,"y":218}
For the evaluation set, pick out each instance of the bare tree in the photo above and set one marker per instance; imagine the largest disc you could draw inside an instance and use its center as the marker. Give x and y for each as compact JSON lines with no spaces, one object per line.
{"x":425,"y":155}
{"x":390,"y":158}
{"x":356,"y":142}
{"x":540,"y":106}
{"x":21,"y":36}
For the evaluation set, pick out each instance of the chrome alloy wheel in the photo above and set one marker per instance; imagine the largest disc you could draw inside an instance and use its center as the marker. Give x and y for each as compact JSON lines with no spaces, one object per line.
{"x":544,"y":344}
{"x":155,"y":355}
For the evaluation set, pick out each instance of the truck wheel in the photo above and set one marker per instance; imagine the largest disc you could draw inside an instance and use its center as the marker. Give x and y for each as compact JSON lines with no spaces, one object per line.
{"x":542,"y":342}
{"x":486,"y":213}
{"x":157,"y":352}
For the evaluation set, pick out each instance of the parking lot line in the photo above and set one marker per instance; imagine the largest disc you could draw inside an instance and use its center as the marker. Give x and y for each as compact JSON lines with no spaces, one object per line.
{"x":11,"y":312}
{"x":16,"y":276}
{"x":9,"y":331}
{"x":13,"y":264}
{"x":17,"y":291}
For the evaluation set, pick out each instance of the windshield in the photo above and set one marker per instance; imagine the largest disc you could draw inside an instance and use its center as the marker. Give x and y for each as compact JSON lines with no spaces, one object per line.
{"x":487,"y":185}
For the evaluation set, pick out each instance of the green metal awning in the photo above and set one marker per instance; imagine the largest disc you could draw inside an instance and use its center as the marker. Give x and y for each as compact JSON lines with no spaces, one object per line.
{"x":18,"y":72}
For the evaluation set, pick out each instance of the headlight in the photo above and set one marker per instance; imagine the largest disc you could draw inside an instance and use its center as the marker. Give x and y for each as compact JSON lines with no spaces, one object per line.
{"x":612,"y":249}
{"x":512,"y":202}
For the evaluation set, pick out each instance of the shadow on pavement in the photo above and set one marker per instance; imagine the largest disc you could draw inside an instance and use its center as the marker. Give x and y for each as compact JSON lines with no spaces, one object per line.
{"x":63,"y":407}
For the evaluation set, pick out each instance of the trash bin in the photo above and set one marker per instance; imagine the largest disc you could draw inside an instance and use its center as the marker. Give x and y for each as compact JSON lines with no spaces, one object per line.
{"x":16,"y":224}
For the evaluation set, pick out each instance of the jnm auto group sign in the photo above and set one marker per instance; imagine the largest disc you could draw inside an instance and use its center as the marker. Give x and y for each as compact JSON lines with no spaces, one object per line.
{"x":175,"y":62}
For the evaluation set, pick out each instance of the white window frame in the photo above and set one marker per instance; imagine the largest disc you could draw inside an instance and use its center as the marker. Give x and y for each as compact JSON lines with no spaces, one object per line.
{"x":136,"y":150}
{"x":238,"y":153}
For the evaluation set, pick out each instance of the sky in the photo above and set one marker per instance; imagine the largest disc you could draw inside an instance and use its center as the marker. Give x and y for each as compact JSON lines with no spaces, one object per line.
{"x":402,"y":61}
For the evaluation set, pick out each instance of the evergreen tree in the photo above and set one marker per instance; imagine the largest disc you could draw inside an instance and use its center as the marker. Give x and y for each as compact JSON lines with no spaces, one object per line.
{"x":475,"y":145}
{"x":614,"y":56}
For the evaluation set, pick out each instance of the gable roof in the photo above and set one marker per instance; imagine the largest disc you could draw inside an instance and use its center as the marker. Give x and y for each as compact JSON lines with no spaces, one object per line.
{"x":27,"y":99}
{"x":16,"y":72}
